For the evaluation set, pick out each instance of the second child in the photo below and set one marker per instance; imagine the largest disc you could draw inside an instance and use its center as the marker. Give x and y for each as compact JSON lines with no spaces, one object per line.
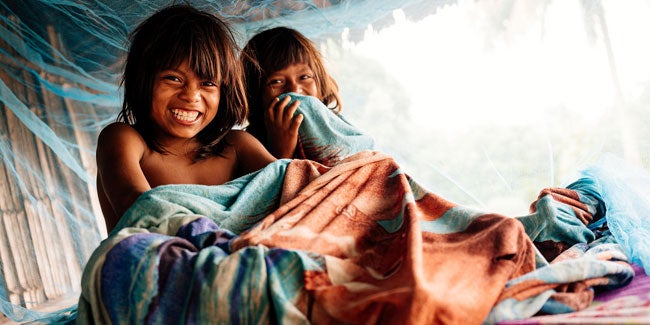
{"x":277,"y":61}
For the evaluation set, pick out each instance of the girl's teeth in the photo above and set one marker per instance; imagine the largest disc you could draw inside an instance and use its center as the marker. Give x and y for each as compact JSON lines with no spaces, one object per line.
{"x":185,"y":115}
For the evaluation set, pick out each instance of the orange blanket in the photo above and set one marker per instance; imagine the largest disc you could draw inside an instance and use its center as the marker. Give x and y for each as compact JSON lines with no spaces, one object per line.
{"x":366,"y":218}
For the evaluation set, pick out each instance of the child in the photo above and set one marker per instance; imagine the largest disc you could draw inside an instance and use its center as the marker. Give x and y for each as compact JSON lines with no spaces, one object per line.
{"x":183,"y":92}
{"x":277,"y":61}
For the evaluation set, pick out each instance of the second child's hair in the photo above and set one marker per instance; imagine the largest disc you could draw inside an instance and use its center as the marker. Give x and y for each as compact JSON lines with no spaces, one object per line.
{"x":272,"y":50}
{"x":163,"y":41}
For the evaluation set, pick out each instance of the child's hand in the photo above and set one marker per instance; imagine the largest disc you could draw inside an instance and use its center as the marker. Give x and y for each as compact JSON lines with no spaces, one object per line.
{"x":282,"y":127}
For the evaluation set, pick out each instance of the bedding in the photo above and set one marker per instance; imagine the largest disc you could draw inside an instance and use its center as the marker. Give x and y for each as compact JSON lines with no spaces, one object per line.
{"x":355,"y":241}
{"x":358,"y":242}
{"x":324,"y":136}
{"x":626,"y":305}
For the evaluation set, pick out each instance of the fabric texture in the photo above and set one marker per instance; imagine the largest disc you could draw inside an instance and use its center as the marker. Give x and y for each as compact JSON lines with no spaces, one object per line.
{"x":355,"y":243}
{"x":349,"y":239}
{"x":324,"y":136}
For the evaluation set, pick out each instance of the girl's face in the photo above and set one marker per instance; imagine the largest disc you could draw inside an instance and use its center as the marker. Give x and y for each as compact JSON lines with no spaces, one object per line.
{"x":297,"y":78}
{"x":183,"y":104}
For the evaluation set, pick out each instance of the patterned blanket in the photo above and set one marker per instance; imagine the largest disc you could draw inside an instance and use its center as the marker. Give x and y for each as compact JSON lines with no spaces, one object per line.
{"x":626,"y":305}
{"x":355,"y":241}
{"x":361,"y":242}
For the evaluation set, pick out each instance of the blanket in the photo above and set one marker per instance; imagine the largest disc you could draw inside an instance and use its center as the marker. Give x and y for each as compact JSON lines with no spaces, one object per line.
{"x":348,"y":237}
{"x":625,"y":305}
{"x":359,"y":242}
{"x":324,"y":136}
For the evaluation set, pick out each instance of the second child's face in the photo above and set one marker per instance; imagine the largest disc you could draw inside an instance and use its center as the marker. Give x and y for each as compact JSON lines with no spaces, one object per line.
{"x":297,"y":78}
{"x":183,"y":104}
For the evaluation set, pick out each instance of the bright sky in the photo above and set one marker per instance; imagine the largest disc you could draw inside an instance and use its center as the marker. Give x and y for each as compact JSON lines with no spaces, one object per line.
{"x":470,"y":65}
{"x":509,"y":73}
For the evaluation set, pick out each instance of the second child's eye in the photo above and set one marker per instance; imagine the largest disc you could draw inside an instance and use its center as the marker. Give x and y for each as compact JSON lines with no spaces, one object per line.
{"x":274,"y":83}
{"x":209,"y":83}
{"x":305,"y":76}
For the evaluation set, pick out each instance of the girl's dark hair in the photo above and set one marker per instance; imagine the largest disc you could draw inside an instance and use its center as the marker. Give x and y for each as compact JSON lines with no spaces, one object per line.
{"x":272,"y":50}
{"x":163,"y":41}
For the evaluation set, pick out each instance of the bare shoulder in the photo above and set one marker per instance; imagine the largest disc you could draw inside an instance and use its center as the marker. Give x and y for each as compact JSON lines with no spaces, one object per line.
{"x":120,"y":147}
{"x":251,"y":154}
{"x":118,"y":132}
{"x":237,"y":136}
{"x":243,"y":141}
{"x":120,"y":137}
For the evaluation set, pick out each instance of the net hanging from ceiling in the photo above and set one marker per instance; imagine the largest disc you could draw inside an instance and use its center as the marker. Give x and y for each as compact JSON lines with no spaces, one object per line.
{"x":482,"y":102}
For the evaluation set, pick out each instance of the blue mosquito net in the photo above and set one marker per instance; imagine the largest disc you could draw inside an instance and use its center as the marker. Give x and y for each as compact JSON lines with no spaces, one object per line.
{"x":483,"y":102}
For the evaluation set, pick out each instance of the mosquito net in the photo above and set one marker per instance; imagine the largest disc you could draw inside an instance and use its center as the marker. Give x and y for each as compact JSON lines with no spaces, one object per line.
{"x":483,"y":102}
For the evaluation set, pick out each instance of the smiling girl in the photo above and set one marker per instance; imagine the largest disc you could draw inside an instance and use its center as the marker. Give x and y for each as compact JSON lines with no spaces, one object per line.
{"x":277,"y":61}
{"x":183,"y":93}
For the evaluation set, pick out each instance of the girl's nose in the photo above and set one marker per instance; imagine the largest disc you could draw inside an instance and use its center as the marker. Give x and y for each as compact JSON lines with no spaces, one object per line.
{"x":190,"y":94}
{"x":293,"y":87}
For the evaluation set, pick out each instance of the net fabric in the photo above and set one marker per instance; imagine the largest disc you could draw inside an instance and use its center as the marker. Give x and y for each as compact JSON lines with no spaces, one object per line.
{"x":627,"y":199}
{"x":484,"y":103}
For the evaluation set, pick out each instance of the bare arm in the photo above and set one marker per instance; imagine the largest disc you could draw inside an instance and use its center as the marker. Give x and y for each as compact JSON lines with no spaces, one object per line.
{"x":120,"y":179}
{"x":251,"y":154}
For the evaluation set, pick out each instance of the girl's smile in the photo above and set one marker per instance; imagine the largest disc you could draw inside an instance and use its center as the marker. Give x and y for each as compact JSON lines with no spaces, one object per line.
{"x":184,"y":116}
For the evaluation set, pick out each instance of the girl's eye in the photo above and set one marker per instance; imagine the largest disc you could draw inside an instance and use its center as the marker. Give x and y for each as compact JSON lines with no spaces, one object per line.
{"x":305,"y":76}
{"x":171,"y":78}
{"x":274,"y":83}
{"x":209,"y":84}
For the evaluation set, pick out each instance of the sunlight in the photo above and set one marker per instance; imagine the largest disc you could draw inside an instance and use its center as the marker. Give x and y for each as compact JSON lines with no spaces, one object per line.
{"x":509,"y":73}
{"x":487,"y":102}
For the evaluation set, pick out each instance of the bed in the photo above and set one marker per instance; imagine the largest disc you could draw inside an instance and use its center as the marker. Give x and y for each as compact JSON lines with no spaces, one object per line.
{"x":354,"y":239}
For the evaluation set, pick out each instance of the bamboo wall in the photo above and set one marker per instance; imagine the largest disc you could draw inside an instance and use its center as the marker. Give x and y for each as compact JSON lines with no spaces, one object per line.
{"x":40,"y":262}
